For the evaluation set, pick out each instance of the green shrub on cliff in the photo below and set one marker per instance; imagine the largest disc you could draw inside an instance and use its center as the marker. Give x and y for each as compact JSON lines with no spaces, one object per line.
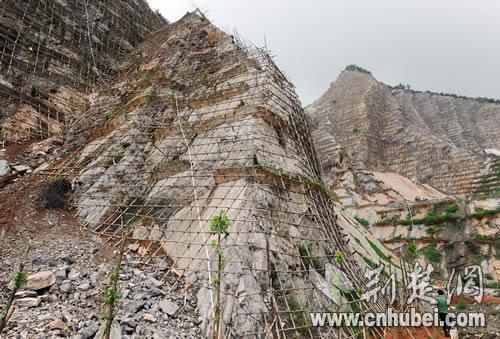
{"x":357,"y":68}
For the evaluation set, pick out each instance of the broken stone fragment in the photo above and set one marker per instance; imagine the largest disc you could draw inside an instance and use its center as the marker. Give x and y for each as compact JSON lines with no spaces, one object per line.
{"x":73,"y":275}
{"x":143,"y":251}
{"x":154,"y":282}
{"x":44,"y":317}
{"x":338,"y":278}
{"x":4,"y":168}
{"x":57,"y":324}
{"x":133,"y":306}
{"x":89,"y":331}
{"x":149,"y":317}
{"x":169,"y":307}
{"x":61,"y":274}
{"x":133,"y":247}
{"x":66,"y":286}
{"x":22,"y":168}
{"x":115,"y":333}
{"x":68,"y":259}
{"x":25,"y":294}
{"x":84,"y":286}
{"x":28,"y":302}
{"x":328,"y":290}
{"x":40,"y":280}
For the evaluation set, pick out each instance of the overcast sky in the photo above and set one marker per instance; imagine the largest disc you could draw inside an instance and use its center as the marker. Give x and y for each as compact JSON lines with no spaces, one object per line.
{"x":440,"y":45}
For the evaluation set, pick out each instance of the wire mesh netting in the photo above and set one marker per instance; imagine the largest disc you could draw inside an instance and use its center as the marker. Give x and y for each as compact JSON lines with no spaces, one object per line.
{"x":53,"y":52}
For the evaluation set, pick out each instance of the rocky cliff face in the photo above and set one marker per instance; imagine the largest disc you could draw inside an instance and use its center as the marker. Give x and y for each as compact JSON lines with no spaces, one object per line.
{"x":53,"y":52}
{"x":436,"y":139}
{"x":159,"y":135}
{"x":201,"y":124}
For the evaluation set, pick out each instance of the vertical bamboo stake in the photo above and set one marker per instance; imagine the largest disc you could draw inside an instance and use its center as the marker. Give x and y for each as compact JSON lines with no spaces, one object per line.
{"x":19,"y":280}
{"x":217,"y":307}
{"x":111,"y":294}
{"x":219,"y":224}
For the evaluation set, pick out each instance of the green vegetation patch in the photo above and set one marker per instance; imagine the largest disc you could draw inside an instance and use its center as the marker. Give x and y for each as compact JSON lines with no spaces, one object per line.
{"x":431,"y":254}
{"x":433,"y":230}
{"x":299,"y":314}
{"x":117,"y":158}
{"x":482,"y":237}
{"x":369,"y":262}
{"x":362,"y":221}
{"x":379,"y":251}
{"x":480,"y":212}
{"x":489,"y":185}
{"x":411,"y":252}
{"x":357,"y":69}
{"x":492,"y":284}
{"x":34,"y":91}
{"x":387,"y":221}
{"x":451,"y":208}
{"x":20,"y":279}
{"x":462,"y":305}
{"x":307,"y":259}
{"x":291,"y":176}
{"x":432,"y":218}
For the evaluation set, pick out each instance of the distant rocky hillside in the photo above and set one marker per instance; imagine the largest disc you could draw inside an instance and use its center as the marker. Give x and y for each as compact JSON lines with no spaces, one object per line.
{"x":441,"y":140}
{"x":417,"y":221}
{"x":420,"y":171}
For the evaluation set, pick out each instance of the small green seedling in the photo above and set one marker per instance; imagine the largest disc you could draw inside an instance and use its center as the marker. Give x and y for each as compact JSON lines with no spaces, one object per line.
{"x":339,"y":257}
{"x":19,"y":281}
{"x":219,"y":225}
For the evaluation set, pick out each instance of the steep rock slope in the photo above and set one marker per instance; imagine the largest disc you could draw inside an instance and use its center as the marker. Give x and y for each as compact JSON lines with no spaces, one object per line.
{"x":52,"y":52}
{"x":197,"y":124}
{"x":430,"y":138}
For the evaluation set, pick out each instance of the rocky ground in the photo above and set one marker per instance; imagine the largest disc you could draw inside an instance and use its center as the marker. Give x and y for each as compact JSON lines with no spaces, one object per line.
{"x":490,"y":306}
{"x":69,"y":269}
{"x":150,"y":306}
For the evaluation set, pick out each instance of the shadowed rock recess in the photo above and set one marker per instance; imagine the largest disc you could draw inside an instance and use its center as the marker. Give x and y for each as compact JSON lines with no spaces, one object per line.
{"x":191,"y":123}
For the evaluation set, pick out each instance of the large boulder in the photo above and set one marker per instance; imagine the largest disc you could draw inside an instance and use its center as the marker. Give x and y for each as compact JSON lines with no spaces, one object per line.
{"x":169,"y":307}
{"x":40,"y":280}
{"x":337,"y":278}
